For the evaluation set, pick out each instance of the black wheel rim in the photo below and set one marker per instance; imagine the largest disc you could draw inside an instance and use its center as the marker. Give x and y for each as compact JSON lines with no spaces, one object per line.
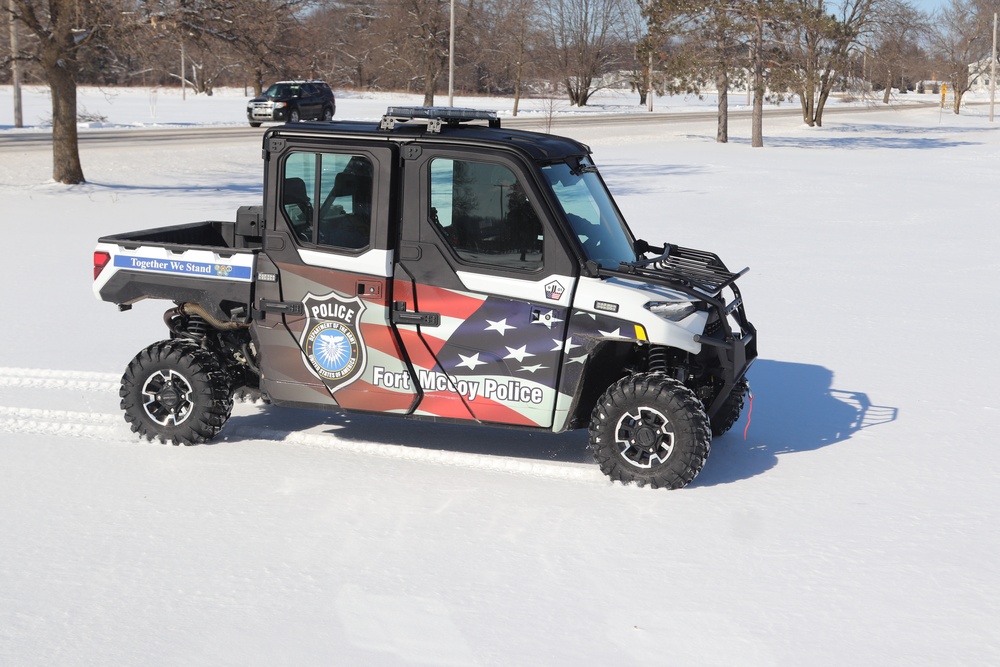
{"x":167,"y":398}
{"x":644,"y":437}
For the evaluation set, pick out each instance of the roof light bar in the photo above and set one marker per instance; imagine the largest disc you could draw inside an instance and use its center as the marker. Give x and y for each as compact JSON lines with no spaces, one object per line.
{"x":436,"y":116}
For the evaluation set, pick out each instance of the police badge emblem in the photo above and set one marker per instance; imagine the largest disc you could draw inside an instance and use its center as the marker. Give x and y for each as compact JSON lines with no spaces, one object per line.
{"x":332,"y":345}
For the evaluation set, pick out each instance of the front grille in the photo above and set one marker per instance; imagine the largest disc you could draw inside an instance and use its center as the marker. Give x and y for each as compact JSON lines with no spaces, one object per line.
{"x":262,"y":110}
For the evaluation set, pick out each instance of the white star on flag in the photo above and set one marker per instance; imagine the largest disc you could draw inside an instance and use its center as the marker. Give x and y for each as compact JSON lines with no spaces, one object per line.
{"x":470,"y":362}
{"x":532,"y":369}
{"x":519,"y":354}
{"x":548,"y":319}
{"x":617,"y":333}
{"x":500,"y":326}
{"x":560,"y":345}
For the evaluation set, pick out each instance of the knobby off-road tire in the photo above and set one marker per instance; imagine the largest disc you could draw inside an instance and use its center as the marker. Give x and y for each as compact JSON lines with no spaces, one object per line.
{"x":731,"y":410}
{"x":650,"y":429}
{"x":177,"y":392}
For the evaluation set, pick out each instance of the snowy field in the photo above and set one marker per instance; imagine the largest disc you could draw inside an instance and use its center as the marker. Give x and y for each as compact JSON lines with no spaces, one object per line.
{"x":856,"y":524}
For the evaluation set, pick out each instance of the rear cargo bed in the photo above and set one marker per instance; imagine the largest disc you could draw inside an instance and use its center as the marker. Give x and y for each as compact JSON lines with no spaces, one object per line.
{"x":194,"y":263}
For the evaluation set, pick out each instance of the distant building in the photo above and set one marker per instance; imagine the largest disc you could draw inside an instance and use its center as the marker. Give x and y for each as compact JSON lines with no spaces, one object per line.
{"x":979,"y":75}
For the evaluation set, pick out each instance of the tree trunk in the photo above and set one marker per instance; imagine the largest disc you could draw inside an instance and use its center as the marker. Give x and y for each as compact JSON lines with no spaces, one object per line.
{"x":757,"y":119}
{"x":517,"y":86}
{"x":809,"y":104}
{"x":430,"y":84}
{"x":826,"y":83}
{"x":824,"y":95}
{"x":809,"y":88}
{"x":957,"y":93}
{"x":888,"y":89}
{"x":722,"y":85}
{"x":66,"y":166}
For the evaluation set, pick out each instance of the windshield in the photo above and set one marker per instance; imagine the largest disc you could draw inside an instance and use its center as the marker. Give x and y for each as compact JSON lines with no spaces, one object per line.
{"x":591,"y":213}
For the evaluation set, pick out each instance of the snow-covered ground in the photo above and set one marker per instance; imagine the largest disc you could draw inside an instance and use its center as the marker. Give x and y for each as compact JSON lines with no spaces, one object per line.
{"x":169,"y":107}
{"x":856,"y":524}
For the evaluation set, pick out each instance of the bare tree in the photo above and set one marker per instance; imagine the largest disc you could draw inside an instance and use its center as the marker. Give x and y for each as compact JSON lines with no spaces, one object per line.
{"x":248,"y":32}
{"x":421,"y":45}
{"x":894,"y":41}
{"x":583,"y":39}
{"x":511,"y":33}
{"x":820,"y":36}
{"x":962,"y":44}
{"x":350,"y":32}
{"x":60,"y":32}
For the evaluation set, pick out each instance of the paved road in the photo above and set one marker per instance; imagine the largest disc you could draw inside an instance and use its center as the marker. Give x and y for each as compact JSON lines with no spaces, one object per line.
{"x":211,"y":133}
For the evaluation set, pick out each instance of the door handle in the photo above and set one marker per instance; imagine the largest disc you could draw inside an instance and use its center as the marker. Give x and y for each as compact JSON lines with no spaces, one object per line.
{"x":283,"y":307}
{"x":401,"y":316}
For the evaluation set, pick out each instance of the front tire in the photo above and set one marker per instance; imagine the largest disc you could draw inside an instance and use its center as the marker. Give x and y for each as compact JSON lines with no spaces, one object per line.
{"x":177,"y":392}
{"x":293,"y":116}
{"x":731,"y":409}
{"x":254,"y":124}
{"x":648,"y":428}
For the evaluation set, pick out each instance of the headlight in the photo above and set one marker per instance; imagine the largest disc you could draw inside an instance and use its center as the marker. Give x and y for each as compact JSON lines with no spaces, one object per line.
{"x":675,"y":311}
{"x":280,"y":105}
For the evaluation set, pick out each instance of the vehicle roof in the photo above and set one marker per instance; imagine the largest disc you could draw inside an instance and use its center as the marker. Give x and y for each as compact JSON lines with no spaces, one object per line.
{"x":536,"y":145}
{"x":299,"y":81}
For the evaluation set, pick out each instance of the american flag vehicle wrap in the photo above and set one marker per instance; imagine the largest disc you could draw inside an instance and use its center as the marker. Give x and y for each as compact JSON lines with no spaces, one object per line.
{"x":491,"y":359}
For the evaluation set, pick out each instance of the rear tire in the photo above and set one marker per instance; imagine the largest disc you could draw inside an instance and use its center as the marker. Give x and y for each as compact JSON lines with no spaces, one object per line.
{"x":327,"y":113}
{"x":177,"y":392}
{"x":650,"y":429}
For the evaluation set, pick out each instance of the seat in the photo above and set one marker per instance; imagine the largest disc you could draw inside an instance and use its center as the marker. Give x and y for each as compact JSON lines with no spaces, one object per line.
{"x":343,"y":227}
{"x":298,"y":208}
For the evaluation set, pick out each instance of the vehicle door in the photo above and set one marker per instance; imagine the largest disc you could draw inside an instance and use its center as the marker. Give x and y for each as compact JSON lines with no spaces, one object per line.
{"x":324,"y":333}
{"x":310,"y":102}
{"x":482,"y":286}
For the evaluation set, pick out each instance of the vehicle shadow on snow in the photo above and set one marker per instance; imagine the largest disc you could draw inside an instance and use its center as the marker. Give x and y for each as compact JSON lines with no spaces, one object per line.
{"x":568,"y":447}
{"x":795,"y":409}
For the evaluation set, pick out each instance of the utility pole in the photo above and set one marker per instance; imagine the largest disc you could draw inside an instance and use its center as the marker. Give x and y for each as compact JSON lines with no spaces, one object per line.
{"x":993,"y":68}
{"x":649,"y":81}
{"x":15,"y":69}
{"x":451,"y":57}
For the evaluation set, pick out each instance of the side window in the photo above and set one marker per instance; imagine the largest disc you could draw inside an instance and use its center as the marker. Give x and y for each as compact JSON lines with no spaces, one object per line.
{"x":483,"y":212}
{"x":327,"y":198}
{"x":298,"y":193}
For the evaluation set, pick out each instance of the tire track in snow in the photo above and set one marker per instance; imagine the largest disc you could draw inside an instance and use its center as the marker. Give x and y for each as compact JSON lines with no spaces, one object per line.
{"x":112,"y":428}
{"x":92,"y":425}
{"x":40,"y":378}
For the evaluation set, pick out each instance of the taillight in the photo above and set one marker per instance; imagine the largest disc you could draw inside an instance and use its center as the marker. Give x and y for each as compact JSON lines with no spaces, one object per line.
{"x":101,"y":260}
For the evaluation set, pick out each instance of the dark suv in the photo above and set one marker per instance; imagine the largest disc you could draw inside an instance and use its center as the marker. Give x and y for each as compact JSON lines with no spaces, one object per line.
{"x":292,"y":101}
